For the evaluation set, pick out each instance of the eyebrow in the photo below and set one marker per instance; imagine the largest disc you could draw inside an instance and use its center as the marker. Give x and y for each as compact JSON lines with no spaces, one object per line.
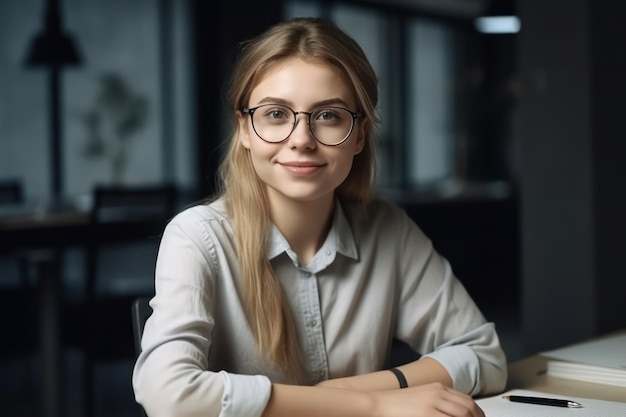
{"x":327,"y":102}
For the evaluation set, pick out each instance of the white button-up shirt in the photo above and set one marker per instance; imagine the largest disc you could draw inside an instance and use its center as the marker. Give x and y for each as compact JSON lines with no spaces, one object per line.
{"x":375,"y":278}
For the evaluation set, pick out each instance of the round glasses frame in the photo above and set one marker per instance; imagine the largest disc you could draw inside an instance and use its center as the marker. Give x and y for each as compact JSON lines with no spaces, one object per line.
{"x":250,"y":111}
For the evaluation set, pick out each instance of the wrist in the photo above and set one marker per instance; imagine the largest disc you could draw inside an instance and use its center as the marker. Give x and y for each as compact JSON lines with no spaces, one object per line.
{"x":402,"y":383}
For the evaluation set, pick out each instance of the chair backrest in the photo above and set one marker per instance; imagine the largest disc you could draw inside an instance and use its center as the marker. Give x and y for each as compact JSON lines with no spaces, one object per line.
{"x":141,"y":310}
{"x":10,"y":192}
{"x":126,"y":215}
{"x":133,"y":203}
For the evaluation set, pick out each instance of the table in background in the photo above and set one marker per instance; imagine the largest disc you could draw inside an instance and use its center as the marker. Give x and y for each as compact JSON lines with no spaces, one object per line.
{"x":43,"y":235}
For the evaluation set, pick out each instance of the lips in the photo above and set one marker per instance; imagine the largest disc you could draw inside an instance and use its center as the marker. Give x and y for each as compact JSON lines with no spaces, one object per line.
{"x":302,"y":168}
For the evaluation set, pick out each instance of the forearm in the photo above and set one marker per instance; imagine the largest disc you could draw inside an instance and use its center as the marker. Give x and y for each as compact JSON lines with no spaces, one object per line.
{"x":420,"y":401}
{"x":424,"y":371}
{"x":419,"y":372}
{"x":296,"y":401}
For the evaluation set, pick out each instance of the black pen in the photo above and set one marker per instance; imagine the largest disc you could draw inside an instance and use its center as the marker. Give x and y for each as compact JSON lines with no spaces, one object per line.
{"x":543,"y":401}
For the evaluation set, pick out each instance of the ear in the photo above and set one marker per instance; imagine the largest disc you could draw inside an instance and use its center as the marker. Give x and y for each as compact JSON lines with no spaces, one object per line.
{"x":244,"y":132}
{"x":359,"y":143}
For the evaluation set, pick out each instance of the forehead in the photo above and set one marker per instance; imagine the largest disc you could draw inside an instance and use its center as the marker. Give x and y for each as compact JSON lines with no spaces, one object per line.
{"x":302,"y":83}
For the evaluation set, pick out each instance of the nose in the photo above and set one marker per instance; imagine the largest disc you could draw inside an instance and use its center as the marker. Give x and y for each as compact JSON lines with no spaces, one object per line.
{"x":301,"y":136}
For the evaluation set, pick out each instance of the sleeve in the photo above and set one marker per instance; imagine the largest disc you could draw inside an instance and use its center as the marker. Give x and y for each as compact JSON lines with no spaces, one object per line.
{"x":439,"y":319}
{"x":171,"y":375}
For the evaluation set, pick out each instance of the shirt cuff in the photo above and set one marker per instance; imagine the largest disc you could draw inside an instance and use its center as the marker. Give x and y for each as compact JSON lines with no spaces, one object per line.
{"x":462,"y":365}
{"x":244,"y":395}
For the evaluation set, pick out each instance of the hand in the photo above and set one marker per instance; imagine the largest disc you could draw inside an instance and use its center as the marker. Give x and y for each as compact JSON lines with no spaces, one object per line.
{"x":430,"y":400}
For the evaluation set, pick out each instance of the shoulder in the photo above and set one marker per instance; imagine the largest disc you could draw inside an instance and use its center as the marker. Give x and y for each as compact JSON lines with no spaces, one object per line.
{"x":381,"y":206}
{"x":201,"y":213}
{"x":203,"y":228}
{"x":203,"y":221}
{"x":380,"y":220}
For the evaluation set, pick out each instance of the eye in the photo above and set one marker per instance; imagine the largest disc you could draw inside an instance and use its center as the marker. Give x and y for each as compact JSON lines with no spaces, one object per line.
{"x":276,"y":113}
{"x":329,"y":115}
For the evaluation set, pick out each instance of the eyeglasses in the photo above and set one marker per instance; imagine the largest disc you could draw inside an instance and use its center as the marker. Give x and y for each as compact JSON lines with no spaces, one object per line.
{"x":329,"y":125}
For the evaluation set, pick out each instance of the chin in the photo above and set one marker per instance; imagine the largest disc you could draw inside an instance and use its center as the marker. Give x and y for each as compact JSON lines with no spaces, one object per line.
{"x":303,"y":196}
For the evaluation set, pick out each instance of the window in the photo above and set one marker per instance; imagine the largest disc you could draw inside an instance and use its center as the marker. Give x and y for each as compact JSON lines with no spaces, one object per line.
{"x":430,"y":110}
{"x":137,"y":48}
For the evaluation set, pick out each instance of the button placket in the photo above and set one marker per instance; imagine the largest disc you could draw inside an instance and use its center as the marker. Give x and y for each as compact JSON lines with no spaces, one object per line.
{"x":315,"y":344}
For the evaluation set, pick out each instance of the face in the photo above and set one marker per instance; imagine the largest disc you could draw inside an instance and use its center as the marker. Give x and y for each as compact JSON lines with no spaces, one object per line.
{"x":300,"y":168}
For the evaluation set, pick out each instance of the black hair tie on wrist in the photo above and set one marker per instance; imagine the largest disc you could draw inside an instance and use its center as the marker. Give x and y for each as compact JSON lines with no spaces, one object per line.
{"x":401,"y":379}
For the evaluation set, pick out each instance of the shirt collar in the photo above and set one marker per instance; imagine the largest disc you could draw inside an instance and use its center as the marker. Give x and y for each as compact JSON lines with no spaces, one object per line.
{"x":340,"y":238}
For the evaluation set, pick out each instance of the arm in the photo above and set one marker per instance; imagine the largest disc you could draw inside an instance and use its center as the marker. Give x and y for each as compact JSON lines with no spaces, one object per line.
{"x":431,"y":400}
{"x":180,"y":371}
{"x":439,"y":319}
{"x":422,"y":371}
{"x":432,"y":312}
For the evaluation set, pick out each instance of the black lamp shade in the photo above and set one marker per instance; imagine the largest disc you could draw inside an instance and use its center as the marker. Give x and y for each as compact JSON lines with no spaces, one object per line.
{"x":52,"y":49}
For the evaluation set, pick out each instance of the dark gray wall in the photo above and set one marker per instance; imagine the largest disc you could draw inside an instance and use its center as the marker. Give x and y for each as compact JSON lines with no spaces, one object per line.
{"x":570,"y":132}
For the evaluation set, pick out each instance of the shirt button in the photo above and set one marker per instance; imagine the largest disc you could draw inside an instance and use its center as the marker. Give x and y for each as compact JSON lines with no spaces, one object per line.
{"x":312,"y":323}
{"x":307,"y":274}
{"x":327,"y":253}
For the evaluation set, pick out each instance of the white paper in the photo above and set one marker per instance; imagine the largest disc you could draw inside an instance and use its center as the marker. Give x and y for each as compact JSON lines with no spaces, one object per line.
{"x":588,"y":373}
{"x":496,"y":406}
{"x":609,"y":352}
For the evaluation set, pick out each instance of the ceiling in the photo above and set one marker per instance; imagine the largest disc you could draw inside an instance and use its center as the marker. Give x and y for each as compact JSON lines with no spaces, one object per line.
{"x":460,"y":8}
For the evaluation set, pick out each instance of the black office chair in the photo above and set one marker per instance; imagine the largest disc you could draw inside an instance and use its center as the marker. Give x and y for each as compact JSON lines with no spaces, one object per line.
{"x":11,"y":192}
{"x":140,"y":312}
{"x":13,"y":266}
{"x":124,"y":220}
{"x":138,"y":214}
{"x":18,"y":307}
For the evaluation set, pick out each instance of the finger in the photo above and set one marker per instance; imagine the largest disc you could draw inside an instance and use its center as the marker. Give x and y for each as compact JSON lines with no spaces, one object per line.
{"x":458,"y":404}
{"x":454,"y":409}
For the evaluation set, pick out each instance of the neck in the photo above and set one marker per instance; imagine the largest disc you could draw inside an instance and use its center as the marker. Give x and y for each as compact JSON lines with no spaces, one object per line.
{"x":305,"y":224}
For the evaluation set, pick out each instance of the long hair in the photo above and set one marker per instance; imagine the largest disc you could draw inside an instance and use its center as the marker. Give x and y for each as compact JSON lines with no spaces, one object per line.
{"x":315,"y":40}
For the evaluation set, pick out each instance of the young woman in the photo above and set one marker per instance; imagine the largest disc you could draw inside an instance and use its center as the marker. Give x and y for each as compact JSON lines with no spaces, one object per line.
{"x":281,"y":296}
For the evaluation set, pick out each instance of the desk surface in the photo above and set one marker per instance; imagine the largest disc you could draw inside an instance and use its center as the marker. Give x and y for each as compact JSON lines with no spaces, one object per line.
{"x":23,"y":230}
{"x":60,"y":228}
{"x":531,"y":374}
{"x":44,"y":220}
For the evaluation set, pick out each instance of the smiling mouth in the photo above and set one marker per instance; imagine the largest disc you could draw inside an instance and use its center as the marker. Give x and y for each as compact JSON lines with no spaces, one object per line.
{"x":302,"y":169}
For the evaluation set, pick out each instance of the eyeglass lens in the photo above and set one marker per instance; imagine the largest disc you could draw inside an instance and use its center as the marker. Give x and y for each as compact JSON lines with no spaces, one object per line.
{"x":329,"y":125}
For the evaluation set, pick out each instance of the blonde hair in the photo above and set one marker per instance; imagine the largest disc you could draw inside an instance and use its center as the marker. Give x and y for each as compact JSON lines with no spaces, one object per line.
{"x":245,"y":196}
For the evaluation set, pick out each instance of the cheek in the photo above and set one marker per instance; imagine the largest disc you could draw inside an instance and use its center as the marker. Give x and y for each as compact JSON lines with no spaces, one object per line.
{"x":345,"y":162}
{"x":260,"y":152}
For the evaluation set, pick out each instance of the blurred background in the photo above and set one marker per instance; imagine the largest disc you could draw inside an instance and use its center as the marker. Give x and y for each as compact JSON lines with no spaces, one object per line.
{"x":502,"y":137}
